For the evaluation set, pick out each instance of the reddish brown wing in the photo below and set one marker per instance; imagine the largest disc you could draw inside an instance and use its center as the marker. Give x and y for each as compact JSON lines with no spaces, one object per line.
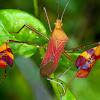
{"x":52,"y":57}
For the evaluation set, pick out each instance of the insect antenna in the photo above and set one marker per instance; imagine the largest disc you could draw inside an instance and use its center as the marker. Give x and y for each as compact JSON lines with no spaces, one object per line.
{"x":65,"y":9}
{"x":58,"y":8}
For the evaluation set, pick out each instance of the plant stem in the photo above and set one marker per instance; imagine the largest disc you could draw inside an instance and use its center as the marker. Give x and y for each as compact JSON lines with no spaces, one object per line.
{"x":55,"y":87}
{"x":42,"y":52}
{"x":36,"y":7}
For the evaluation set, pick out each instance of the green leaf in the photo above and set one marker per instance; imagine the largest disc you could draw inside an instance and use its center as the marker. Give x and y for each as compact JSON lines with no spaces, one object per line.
{"x":65,"y":62}
{"x":11,"y":21}
{"x":60,"y":89}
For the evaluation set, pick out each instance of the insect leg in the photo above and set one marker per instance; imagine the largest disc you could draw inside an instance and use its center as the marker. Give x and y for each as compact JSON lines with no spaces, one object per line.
{"x":70,"y":66}
{"x":78,"y":48}
{"x":26,"y":43}
{"x":4,"y":76}
{"x":68,"y":57}
{"x":30,"y":29}
{"x":68,"y":85}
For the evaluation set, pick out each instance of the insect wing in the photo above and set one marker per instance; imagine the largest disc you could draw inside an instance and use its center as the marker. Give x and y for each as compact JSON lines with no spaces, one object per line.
{"x":52,"y":57}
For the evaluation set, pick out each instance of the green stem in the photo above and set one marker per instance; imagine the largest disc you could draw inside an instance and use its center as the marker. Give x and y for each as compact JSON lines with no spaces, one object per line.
{"x":42,"y":52}
{"x":55,"y":87}
{"x":36,"y":7}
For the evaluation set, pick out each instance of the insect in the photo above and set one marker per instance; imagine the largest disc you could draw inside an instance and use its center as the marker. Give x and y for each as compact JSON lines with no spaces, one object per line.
{"x":55,"y":47}
{"x":56,"y":42}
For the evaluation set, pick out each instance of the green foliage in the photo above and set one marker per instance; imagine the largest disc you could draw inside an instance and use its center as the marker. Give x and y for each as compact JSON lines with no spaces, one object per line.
{"x":59,"y":89}
{"x":81,"y":23}
{"x":11,"y":21}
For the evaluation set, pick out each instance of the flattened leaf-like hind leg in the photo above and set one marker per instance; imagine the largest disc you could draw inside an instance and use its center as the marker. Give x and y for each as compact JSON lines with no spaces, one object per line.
{"x":6,"y":57}
{"x":3,"y":58}
{"x":81,"y":72}
{"x":78,"y":48}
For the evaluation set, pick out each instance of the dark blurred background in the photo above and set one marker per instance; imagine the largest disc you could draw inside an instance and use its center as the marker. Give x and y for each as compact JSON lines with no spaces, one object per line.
{"x":81,"y":22}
